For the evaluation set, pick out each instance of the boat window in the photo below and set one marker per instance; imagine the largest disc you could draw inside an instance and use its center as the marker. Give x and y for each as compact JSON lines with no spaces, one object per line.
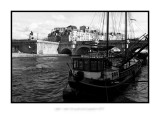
{"x":80,"y":64}
{"x":115,"y":75}
{"x":93,"y":65}
{"x":86,"y":65}
{"x":100,"y":65}
{"x":75,"y":63}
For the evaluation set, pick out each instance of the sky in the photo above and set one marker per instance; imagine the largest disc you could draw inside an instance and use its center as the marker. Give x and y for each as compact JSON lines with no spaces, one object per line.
{"x":42,"y":23}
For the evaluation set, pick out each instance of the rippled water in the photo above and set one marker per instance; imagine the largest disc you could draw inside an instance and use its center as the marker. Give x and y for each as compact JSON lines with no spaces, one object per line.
{"x":138,"y":91}
{"x":42,"y":79}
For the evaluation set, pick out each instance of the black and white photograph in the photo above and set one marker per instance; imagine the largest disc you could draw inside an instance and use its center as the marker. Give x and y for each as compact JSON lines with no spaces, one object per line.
{"x":80,"y":56}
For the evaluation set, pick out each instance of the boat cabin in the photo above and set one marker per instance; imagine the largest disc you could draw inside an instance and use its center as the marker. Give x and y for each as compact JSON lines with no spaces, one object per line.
{"x":91,"y":64}
{"x":95,"y":68}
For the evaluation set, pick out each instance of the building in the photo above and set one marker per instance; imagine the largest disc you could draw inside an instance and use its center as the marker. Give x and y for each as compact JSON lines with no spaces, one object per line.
{"x":60,"y":29}
{"x":71,"y":27}
{"x":85,"y":36}
{"x":34,"y":47}
{"x":71,"y":33}
{"x":84,"y":28}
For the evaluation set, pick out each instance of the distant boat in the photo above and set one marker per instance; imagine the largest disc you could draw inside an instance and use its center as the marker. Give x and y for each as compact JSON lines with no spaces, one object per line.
{"x":97,"y":75}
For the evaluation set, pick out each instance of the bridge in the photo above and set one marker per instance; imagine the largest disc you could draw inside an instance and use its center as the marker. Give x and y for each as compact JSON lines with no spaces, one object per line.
{"x":82,"y":47}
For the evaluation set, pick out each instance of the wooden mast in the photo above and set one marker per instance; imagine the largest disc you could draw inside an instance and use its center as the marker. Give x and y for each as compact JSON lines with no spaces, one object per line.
{"x":125,"y":34}
{"x":107,"y":35}
{"x":107,"y":31}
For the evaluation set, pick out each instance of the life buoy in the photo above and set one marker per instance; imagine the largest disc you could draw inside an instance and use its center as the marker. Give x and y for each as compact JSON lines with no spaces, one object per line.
{"x":79,"y":76}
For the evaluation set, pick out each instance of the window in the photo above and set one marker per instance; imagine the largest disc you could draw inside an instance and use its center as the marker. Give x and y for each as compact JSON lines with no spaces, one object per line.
{"x":86,"y":65}
{"x":93,"y":65}
{"x":100,"y":65}
{"x":75,"y":64}
{"x":80,"y":64}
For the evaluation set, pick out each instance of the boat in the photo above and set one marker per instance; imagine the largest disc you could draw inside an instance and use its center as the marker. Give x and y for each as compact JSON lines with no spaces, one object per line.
{"x":98,"y":75}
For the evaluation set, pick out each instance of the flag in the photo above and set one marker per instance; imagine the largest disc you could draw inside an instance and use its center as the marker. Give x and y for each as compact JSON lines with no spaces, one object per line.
{"x":133,"y":19}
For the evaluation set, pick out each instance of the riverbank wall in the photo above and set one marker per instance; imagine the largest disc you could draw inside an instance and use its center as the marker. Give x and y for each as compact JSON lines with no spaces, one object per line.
{"x":34,"y":47}
{"x":14,"y":55}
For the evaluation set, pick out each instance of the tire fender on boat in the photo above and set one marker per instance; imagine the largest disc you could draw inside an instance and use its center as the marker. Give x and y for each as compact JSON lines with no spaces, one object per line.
{"x":79,"y":76}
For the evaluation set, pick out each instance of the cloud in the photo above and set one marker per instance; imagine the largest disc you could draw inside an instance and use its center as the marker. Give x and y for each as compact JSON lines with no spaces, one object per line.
{"x":34,"y":26}
{"x":58,"y":17}
{"x":21,"y":31}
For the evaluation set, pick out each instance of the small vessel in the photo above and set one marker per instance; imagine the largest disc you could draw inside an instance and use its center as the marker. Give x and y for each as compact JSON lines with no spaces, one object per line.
{"x":100,"y":75}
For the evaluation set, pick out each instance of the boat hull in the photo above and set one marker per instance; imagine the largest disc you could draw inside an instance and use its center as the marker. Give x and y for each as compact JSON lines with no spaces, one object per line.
{"x":88,"y":88}
{"x":104,"y":87}
{"x":108,"y":93}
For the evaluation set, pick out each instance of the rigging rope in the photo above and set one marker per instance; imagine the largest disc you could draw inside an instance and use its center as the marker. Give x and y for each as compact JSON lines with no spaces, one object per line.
{"x":116,"y":23}
{"x":136,"y":23}
{"x":131,"y":26}
{"x":92,"y":19}
{"x":103,"y":22}
{"x":113,"y":22}
{"x":120,"y":23}
{"x":140,"y":28}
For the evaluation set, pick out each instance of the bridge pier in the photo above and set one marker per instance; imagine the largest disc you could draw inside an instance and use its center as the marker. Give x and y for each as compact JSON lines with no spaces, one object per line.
{"x":73,"y":52}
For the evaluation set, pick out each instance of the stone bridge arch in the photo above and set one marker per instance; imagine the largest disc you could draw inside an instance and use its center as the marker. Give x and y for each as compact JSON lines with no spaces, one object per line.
{"x":66,"y":51}
{"x":64,"y":48}
{"x":82,"y":50}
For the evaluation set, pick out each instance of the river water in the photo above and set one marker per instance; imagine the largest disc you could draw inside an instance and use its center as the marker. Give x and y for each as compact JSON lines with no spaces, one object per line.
{"x":42,"y":79}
